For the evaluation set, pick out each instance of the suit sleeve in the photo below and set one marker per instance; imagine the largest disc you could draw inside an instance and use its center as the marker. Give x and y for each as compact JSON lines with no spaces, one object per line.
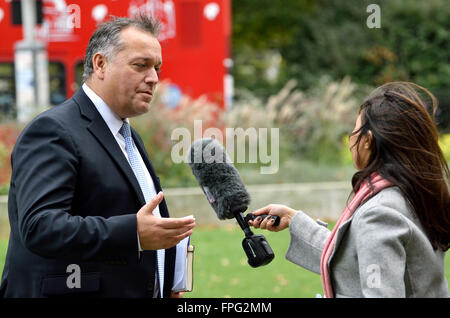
{"x":45,"y":165}
{"x":381,"y":237}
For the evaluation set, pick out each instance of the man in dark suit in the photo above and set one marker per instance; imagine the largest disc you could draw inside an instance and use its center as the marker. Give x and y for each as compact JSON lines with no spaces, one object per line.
{"x":80,"y":174}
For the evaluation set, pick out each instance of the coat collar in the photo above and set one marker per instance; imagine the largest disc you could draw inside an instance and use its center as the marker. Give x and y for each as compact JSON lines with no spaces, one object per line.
{"x":342,"y":230}
{"x":112,"y":120}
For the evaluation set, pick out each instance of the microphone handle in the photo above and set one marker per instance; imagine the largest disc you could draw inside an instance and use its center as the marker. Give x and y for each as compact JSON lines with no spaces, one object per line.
{"x":251,"y":216}
{"x":243,"y":223}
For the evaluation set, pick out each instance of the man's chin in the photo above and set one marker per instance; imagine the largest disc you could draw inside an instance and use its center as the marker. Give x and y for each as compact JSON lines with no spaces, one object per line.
{"x":140,"y":109}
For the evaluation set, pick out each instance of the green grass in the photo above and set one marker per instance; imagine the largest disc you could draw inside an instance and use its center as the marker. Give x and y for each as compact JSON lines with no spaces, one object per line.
{"x":3,"y":249}
{"x":221,"y":269}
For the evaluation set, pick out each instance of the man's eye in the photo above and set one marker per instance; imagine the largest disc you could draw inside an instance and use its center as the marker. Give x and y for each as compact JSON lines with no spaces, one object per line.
{"x":140,"y":65}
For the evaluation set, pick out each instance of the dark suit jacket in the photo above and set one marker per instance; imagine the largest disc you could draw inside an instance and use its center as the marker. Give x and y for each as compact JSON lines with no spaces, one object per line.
{"x":73,"y":200}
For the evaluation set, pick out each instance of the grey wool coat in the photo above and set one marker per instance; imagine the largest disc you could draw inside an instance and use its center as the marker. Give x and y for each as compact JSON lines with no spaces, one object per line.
{"x":381,"y":251}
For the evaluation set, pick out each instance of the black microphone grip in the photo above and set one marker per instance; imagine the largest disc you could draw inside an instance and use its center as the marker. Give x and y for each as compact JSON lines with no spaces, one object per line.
{"x":251,"y":216}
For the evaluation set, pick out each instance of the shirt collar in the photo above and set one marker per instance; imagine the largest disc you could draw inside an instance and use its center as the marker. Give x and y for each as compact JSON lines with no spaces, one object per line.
{"x":112,"y":120}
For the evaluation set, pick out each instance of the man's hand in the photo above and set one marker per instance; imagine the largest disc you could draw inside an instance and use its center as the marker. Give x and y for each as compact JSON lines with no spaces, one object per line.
{"x":176,"y":294}
{"x":160,"y":233}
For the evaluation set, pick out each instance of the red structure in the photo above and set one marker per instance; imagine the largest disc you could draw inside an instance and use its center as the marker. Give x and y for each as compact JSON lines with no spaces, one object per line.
{"x":195,"y":41}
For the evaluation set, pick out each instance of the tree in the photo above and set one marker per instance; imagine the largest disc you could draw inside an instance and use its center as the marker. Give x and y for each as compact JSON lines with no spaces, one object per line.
{"x":261,"y":28}
{"x":332,"y":38}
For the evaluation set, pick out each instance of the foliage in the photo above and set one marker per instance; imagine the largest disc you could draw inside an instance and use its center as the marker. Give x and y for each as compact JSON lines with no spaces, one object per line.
{"x":443,"y":110}
{"x":8,"y":136}
{"x":331,"y":38}
{"x":260,"y":29}
{"x":156,"y":128}
{"x":444,"y":143}
{"x":311,"y":123}
{"x":345,"y":153}
{"x":313,"y":132}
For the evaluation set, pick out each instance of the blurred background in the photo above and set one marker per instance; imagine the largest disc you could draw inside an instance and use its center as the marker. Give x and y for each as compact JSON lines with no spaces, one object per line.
{"x":301,"y":66}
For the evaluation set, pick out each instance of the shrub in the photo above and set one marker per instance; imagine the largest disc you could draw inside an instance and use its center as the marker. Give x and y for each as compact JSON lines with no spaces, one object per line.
{"x":312,"y":124}
{"x":8,"y":135}
{"x":156,"y":127}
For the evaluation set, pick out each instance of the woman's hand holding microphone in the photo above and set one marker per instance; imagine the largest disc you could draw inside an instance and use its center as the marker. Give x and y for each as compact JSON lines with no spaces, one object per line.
{"x":283,"y":212}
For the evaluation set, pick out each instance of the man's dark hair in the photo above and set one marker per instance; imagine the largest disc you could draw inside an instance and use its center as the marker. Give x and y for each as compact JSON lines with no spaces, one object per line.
{"x":106,"y":39}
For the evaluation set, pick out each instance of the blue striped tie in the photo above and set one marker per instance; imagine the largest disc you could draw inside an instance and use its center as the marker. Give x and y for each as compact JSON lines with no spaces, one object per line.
{"x":133,"y":158}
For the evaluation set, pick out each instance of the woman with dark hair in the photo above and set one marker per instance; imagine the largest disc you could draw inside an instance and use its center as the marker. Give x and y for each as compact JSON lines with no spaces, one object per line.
{"x":391,"y":238}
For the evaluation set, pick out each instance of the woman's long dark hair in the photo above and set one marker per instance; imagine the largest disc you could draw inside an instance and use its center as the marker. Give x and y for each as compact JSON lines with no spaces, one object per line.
{"x":405,"y":151}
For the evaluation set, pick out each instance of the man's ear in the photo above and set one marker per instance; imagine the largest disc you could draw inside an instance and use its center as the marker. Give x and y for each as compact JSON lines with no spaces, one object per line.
{"x":99,"y":63}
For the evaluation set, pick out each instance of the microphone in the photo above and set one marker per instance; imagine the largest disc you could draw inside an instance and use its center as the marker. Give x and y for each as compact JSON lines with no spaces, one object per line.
{"x":226,"y":193}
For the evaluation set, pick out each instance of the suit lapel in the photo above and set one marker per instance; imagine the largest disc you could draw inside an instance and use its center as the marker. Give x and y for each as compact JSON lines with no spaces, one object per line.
{"x":101,"y":132}
{"x":342,"y":230}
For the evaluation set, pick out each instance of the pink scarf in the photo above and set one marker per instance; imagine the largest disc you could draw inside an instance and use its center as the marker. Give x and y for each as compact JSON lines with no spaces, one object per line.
{"x":364,"y":193}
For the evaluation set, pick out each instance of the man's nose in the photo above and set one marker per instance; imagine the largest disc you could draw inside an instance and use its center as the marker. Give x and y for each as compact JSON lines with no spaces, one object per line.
{"x":152,"y":76}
